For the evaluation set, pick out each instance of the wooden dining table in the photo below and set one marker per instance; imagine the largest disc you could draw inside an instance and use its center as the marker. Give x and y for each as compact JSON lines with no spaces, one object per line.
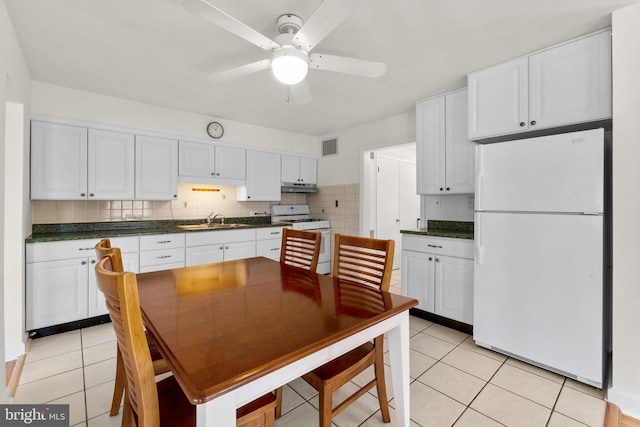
{"x":235,"y":330}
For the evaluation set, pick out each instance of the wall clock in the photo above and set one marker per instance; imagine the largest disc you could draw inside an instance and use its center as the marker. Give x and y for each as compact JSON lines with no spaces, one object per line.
{"x":215,"y":130}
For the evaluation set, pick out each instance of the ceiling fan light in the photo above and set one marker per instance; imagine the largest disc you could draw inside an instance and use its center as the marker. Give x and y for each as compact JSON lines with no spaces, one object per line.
{"x":289,"y":65}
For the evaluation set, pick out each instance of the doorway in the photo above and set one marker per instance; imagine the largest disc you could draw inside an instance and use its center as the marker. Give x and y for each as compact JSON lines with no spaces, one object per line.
{"x":390,"y":194}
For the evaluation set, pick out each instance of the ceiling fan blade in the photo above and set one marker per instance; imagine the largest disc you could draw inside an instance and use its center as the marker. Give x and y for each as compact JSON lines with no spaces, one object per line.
{"x":301,"y":93}
{"x":324,"y":19}
{"x":241,"y":71}
{"x":209,"y":12}
{"x":341,"y":64}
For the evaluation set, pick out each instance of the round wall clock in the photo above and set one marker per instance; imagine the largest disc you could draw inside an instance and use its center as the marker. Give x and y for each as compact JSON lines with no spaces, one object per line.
{"x":215,"y":130}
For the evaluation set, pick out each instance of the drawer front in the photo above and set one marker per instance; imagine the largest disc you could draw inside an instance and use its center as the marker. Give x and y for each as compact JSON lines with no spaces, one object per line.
{"x":222,"y":236}
{"x":151,"y":268}
{"x":269,"y":248}
{"x":67,"y":249}
{"x":163,"y":256}
{"x":161,"y":241}
{"x":269,"y":233}
{"x":460,"y":248}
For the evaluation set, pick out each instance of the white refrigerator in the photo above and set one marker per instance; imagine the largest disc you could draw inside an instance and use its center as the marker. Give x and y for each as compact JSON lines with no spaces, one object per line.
{"x":539,"y":252}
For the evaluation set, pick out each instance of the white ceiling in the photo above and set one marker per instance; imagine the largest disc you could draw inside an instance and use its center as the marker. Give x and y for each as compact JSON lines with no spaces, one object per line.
{"x":156,"y":52}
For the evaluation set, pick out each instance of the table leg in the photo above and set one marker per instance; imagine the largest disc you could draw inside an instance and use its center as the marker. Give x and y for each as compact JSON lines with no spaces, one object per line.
{"x":398,"y":338}
{"x":220,"y":412}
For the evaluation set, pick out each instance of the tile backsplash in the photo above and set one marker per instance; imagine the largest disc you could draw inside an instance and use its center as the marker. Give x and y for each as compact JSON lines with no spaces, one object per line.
{"x":345,"y":218}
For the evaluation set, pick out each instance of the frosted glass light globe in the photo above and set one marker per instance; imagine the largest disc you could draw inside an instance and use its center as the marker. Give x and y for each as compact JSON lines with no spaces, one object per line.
{"x":289,"y":65}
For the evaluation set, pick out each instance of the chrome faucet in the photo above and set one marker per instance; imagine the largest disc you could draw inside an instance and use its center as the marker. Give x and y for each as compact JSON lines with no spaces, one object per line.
{"x":210,"y":219}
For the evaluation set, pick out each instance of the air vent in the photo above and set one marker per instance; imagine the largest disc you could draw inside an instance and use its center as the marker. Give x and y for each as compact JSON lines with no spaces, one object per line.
{"x":330,"y":147}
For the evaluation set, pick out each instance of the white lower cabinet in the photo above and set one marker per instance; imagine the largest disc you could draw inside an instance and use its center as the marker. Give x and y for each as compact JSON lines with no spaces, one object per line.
{"x":217,"y":246}
{"x":268,"y":242}
{"x":161,"y":252}
{"x":438,"y":272}
{"x":60,"y":280}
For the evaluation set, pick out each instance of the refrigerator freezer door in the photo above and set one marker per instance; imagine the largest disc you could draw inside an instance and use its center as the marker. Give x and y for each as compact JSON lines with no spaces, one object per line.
{"x":557,"y":173}
{"x":538,"y":288}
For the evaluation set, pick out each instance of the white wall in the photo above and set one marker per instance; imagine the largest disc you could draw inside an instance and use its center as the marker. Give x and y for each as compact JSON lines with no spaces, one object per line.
{"x":346,"y":166}
{"x":14,"y":87}
{"x":625,"y":391}
{"x":76,"y":104}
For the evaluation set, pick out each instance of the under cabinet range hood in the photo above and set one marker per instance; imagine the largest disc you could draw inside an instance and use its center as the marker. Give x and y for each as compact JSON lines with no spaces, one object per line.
{"x":298,"y":187}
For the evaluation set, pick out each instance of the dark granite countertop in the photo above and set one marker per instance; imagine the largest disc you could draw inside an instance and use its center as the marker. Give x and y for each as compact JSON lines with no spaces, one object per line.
{"x":451,"y":229}
{"x":98,"y":230}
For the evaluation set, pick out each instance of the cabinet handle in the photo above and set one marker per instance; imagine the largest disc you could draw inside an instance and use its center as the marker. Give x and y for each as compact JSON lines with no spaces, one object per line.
{"x":441,"y":189}
{"x":82,"y":194}
{"x":217,"y":173}
{"x":448,"y":188}
{"x":221,"y":247}
{"x":163,"y":256}
{"x":301,"y":180}
{"x":274,"y":249}
{"x":533,"y":122}
{"x":521,"y":124}
{"x":430,"y":259}
{"x":85,"y":249}
{"x":91,"y":194}
{"x":84,"y":263}
{"x":164,"y":241}
{"x":437,"y":259}
{"x":275,"y":232}
{"x":93,"y":261}
{"x":213,"y":174}
{"x":435,"y":246}
{"x":226,"y":247}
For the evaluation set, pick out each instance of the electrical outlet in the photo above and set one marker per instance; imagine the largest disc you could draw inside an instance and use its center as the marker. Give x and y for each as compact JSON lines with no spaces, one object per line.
{"x":336,"y":203}
{"x":437,"y":202}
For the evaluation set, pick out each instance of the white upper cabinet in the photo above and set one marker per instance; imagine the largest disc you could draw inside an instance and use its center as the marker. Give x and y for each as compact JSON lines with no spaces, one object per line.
{"x":263,"y":177}
{"x":58,"y":162}
{"x":296,"y":169}
{"x":156,"y":168}
{"x":445,"y":157}
{"x":214,"y":162}
{"x":562,"y":85}
{"x":111,"y":171}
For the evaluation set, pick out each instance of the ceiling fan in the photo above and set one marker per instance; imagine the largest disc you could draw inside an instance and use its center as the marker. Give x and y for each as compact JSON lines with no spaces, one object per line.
{"x":290,"y":58}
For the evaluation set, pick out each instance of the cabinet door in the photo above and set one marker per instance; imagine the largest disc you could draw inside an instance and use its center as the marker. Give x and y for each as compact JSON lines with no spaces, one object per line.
{"x":498,"y":99}
{"x":571,"y":83}
{"x":196,"y":159}
{"x":56,"y":292}
{"x":97,"y":305}
{"x":454,"y":288}
{"x":269,"y":248}
{"x":308,"y":170}
{"x":231,"y":163}
{"x":204,"y":254}
{"x":290,"y":168}
{"x":430,"y":146}
{"x":239,"y":250}
{"x":460,"y":151}
{"x":111,"y":165}
{"x":58,"y":162}
{"x":156,"y":168}
{"x":263,"y":177}
{"x":418,"y":278}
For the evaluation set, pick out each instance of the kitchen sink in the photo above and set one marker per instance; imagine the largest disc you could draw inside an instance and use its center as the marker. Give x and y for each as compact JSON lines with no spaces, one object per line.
{"x":212,"y":226}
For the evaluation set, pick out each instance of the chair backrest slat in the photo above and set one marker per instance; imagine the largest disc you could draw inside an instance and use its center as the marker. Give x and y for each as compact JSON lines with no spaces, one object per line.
{"x":363,"y":260}
{"x":300,"y":248}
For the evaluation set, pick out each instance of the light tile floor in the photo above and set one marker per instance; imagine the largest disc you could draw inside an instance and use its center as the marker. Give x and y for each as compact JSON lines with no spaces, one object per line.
{"x":453,"y":382}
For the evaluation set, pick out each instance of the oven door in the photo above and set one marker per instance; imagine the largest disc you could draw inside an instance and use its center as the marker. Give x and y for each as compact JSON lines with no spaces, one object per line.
{"x":324,"y":260}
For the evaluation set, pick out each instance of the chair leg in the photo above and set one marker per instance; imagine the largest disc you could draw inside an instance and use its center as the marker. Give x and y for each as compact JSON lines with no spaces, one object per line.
{"x":380,"y":382}
{"x":279,"y":402}
{"x":326,"y":407}
{"x":119,"y":386}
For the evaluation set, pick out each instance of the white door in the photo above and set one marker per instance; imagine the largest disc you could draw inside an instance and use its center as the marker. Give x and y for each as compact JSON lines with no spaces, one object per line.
{"x":231,"y":163}
{"x":56,"y":292}
{"x":239,"y":250}
{"x":541,"y":277}
{"x":454,"y":288}
{"x":409,"y":200}
{"x":263,"y":176}
{"x":156,"y":168}
{"x":199,"y":255}
{"x":196,"y":159}
{"x":388,"y":203}
{"x":460,"y":151}
{"x":290,"y":168}
{"x":111,"y":165}
{"x":308,"y":170}
{"x":558,"y":173}
{"x":498,"y":99}
{"x":58,"y":162}
{"x":430,"y":146}
{"x":418,"y":278}
{"x":571,"y":83}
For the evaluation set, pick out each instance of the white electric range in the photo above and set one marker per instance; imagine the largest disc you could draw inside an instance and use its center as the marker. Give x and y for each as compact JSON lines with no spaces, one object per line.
{"x":298,"y":216}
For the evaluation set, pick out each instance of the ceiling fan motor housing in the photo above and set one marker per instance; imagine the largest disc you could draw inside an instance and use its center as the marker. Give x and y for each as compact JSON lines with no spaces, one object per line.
{"x":289,"y":23}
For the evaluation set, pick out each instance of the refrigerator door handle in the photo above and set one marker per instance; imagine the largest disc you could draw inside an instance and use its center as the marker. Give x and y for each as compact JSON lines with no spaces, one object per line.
{"x":478,"y":240}
{"x":478,"y":195}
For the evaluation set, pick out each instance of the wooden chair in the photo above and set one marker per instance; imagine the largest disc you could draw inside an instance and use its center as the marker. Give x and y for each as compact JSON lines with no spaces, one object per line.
{"x":367,"y":262}
{"x":164,"y":403}
{"x":103,"y":249}
{"x":300,"y":248}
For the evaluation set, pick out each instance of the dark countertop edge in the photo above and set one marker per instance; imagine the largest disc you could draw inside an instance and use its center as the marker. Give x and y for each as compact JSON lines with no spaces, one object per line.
{"x":123,"y":232}
{"x":453,"y":234}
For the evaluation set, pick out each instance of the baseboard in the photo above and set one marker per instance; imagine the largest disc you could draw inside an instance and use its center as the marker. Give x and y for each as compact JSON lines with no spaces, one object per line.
{"x":629,"y":404}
